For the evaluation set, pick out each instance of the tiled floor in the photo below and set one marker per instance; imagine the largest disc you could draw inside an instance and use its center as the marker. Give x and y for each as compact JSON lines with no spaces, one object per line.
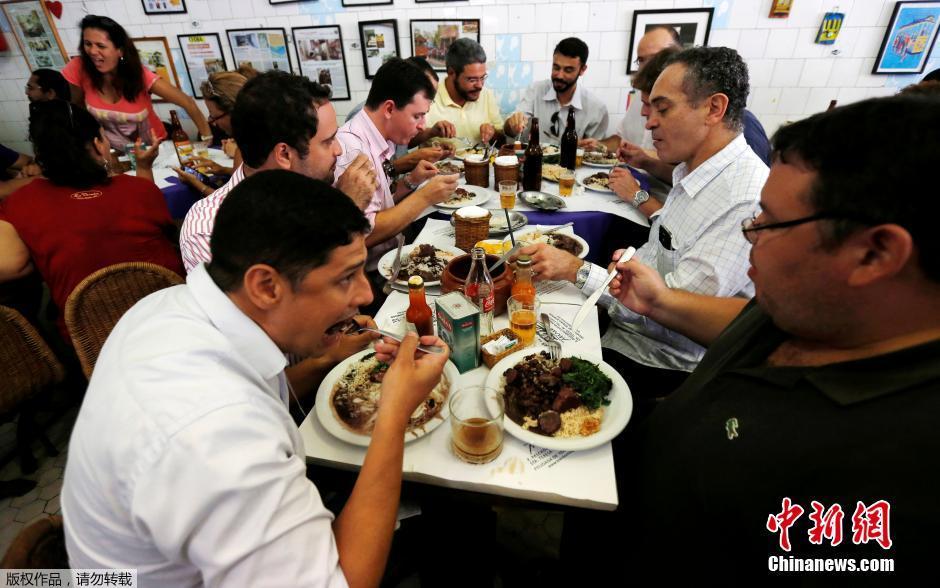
{"x":43,"y":500}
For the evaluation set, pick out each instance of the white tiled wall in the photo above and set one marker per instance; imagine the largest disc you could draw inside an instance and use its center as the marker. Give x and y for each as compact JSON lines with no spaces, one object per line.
{"x":791,"y":76}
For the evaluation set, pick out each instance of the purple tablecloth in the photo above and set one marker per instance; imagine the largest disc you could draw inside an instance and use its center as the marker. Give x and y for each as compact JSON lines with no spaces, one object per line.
{"x":179,"y":197}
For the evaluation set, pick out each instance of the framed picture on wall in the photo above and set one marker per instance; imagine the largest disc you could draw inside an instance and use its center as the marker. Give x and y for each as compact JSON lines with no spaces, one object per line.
{"x":691,"y":25}
{"x":155,"y":55}
{"x":431,"y":38}
{"x":264,"y":49}
{"x":321,"y":57}
{"x":202,"y":55}
{"x":366,"y":2}
{"x":35,"y":34}
{"x":909,"y":39}
{"x":379,"y":42}
{"x":287,"y":1}
{"x":164,"y":6}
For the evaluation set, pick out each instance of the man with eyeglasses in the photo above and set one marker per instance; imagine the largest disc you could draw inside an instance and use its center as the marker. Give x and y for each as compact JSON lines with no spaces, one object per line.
{"x":463,"y":100}
{"x":823,"y":387}
{"x":550,"y":100}
{"x":695,"y":241}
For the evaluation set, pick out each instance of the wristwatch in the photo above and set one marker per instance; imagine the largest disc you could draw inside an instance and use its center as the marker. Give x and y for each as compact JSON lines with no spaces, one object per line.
{"x":583,"y":273}
{"x":640,"y":197}
{"x":408,"y":183}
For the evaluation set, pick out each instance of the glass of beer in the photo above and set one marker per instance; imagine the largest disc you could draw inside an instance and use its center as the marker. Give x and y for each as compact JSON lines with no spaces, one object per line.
{"x":476,"y":421}
{"x":523,"y":313}
{"x":507,"y":194}
{"x":579,"y":157}
{"x":201,"y":149}
{"x":565,"y":182}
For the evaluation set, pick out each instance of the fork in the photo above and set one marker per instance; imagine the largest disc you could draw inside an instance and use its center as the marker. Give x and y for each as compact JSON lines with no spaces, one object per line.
{"x":397,"y":337}
{"x":396,"y":265}
{"x":554,"y":347}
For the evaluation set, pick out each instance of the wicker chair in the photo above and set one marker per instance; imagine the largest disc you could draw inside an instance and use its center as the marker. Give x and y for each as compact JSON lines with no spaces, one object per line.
{"x":101,"y":299}
{"x":41,"y":545}
{"x":27,"y":367}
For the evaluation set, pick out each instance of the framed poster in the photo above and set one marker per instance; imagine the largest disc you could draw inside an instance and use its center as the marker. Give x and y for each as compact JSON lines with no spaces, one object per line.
{"x":164,"y":6}
{"x":780,"y":8}
{"x":35,"y":34}
{"x":379,"y":42}
{"x":155,"y":55}
{"x":264,"y":49}
{"x":909,"y":39}
{"x":692,"y":25}
{"x":431,"y":38}
{"x":321,"y":58}
{"x":365,"y":2}
{"x":202,"y":55}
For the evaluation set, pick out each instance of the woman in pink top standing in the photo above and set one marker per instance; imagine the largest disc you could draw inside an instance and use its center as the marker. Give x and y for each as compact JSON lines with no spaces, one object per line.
{"x":110,"y":81}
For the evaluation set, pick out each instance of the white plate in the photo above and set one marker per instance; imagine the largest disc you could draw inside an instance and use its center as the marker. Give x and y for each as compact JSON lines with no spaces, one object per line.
{"x":387,"y":260}
{"x":454,"y":162}
{"x":583,"y":173}
{"x":481,"y":196}
{"x":327,"y":418}
{"x":461,"y":153}
{"x":587,"y":163}
{"x":616,"y":414}
{"x":566,"y":231}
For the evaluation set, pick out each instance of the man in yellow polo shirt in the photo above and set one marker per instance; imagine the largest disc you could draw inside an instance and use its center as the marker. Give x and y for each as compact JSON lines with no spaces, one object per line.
{"x":462,"y":100}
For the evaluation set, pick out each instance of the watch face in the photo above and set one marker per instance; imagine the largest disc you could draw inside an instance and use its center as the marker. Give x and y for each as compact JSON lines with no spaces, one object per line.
{"x":640,"y":197}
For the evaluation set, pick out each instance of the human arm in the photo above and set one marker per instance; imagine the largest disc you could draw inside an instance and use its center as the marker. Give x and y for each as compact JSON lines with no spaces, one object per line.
{"x":163,"y":89}
{"x":358,"y":181}
{"x":204,"y":163}
{"x":442,"y":128}
{"x":15,"y":262}
{"x":410,"y":160}
{"x":424,"y":170}
{"x":636,"y":156}
{"x":146,"y":157}
{"x":391,"y":221}
{"x":625,"y":187}
{"x":515,"y":124}
{"x":193,"y":182}
{"x":610,"y":144}
{"x":551,"y":263}
{"x":701,"y":318}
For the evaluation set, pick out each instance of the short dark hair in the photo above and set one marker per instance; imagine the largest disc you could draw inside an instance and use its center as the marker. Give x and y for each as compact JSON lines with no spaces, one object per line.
{"x":398,"y":81}
{"x":714,"y":70}
{"x":932,"y":76}
{"x":923,"y":88}
{"x":847,"y":153}
{"x":276,"y":107}
{"x":669,"y":29}
{"x":573,"y":47}
{"x":51,"y":80}
{"x":424,"y":66}
{"x":462,"y":53}
{"x":282,"y":219}
{"x":129,"y":79}
{"x":644,"y":79}
{"x":62,"y":134}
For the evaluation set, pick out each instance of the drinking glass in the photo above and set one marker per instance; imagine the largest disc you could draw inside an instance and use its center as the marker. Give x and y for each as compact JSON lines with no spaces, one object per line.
{"x":523,"y":313}
{"x":565,"y":182}
{"x":476,"y":420}
{"x":507,"y":194}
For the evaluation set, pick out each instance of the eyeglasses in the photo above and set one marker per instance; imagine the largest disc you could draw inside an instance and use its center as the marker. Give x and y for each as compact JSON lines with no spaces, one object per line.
{"x":750,"y":226}
{"x":556,"y":124}
{"x":212,"y":119}
{"x":478,"y":80}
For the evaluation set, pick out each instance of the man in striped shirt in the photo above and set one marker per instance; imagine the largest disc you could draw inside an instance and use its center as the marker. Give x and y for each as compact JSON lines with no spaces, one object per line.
{"x":280,"y":121}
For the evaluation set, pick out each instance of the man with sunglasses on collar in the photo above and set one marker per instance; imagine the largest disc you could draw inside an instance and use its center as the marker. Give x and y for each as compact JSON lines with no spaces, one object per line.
{"x":550,"y":100}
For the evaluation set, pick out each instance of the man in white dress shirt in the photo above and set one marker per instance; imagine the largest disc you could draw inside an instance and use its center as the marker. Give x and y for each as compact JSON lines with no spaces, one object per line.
{"x":695,"y":240}
{"x":185,"y":463}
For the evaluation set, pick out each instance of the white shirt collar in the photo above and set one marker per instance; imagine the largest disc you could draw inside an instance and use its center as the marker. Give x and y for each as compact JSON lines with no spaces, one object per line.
{"x":552,"y":95}
{"x":245,"y":334}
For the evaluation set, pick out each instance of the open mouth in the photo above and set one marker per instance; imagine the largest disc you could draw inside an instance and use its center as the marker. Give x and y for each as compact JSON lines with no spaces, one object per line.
{"x":343,"y":327}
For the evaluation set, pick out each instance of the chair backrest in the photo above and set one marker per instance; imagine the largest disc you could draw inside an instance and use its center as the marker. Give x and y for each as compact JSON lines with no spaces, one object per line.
{"x":101,"y":299}
{"x":27,"y":364}
{"x":40,"y":545}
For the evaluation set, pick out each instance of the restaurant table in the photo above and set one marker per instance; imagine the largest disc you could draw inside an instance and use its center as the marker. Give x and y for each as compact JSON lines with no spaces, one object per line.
{"x":581,"y":478}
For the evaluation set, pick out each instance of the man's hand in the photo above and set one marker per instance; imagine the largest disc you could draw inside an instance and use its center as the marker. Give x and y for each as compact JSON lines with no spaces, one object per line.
{"x":358,"y":181}
{"x":623,"y":184}
{"x":487,"y":132}
{"x":191,"y":181}
{"x":439,"y":188}
{"x":638,"y":287}
{"x":514,"y":124}
{"x":30,"y":170}
{"x":444,"y":128}
{"x":431,"y":154}
{"x":229,"y":147}
{"x":551,"y":263}
{"x":410,"y":378}
{"x":634,"y":155}
{"x":589,"y":144}
{"x":146,"y":157}
{"x":423,"y":171}
{"x":208,"y":164}
{"x":353,"y":343}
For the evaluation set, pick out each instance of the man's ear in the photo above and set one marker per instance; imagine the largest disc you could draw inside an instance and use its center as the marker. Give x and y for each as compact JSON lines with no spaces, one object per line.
{"x":281,"y":156}
{"x":878,"y":253}
{"x":264,"y":286}
{"x":717,"y":107}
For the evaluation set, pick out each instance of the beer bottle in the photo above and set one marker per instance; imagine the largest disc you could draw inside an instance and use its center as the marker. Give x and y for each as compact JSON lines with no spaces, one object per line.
{"x":184,"y":149}
{"x":569,"y":143}
{"x":532,"y":170}
{"x":480,"y":289}
{"x":419,"y":314}
{"x":522,"y":286}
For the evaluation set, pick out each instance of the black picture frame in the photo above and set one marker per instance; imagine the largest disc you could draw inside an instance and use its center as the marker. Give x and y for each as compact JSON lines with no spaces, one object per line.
{"x":336,"y":96}
{"x":893,"y":31}
{"x":353,"y":3}
{"x":669,"y":17}
{"x":437,"y":61}
{"x":391,"y":23}
{"x":180,"y":11}
{"x":232,"y":46}
{"x":197,"y":91}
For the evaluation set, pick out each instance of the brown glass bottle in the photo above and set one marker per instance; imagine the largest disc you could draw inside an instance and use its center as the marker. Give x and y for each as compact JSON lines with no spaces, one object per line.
{"x":569,"y":143}
{"x":532,"y":170}
{"x":184,"y":148}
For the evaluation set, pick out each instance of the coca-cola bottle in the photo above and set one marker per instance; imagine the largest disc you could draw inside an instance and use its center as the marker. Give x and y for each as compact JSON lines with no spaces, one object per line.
{"x":480,"y":290}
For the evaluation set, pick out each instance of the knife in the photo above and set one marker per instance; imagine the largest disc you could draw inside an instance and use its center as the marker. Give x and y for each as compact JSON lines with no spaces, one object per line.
{"x":558,"y":228}
{"x":593,"y":298}
{"x":506,"y":256}
{"x":396,"y":266}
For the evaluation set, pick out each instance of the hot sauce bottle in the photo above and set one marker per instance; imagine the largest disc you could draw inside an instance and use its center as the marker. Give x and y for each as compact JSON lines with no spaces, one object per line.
{"x":419,"y":314}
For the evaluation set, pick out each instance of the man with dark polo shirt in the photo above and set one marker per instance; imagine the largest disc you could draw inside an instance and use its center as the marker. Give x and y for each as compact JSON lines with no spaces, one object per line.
{"x":824,"y":389}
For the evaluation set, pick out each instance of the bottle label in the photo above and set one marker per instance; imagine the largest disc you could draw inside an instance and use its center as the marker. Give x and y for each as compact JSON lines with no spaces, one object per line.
{"x":485,"y":299}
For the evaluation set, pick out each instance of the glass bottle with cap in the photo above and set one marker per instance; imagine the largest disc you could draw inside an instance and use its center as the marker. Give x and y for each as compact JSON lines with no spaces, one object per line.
{"x":532,"y":169}
{"x":181,"y":142}
{"x":480,"y":289}
{"x":522,"y":286}
{"x":419,"y":314}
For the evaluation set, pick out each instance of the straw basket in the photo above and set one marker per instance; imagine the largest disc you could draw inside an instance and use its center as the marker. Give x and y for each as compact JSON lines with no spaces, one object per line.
{"x":468,"y":231}
{"x":491,"y":360}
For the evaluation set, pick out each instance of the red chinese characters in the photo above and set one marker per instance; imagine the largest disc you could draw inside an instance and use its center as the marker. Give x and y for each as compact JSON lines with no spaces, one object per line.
{"x":782,"y":522}
{"x":869,"y":523}
{"x":827,"y":524}
{"x":872,"y":523}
